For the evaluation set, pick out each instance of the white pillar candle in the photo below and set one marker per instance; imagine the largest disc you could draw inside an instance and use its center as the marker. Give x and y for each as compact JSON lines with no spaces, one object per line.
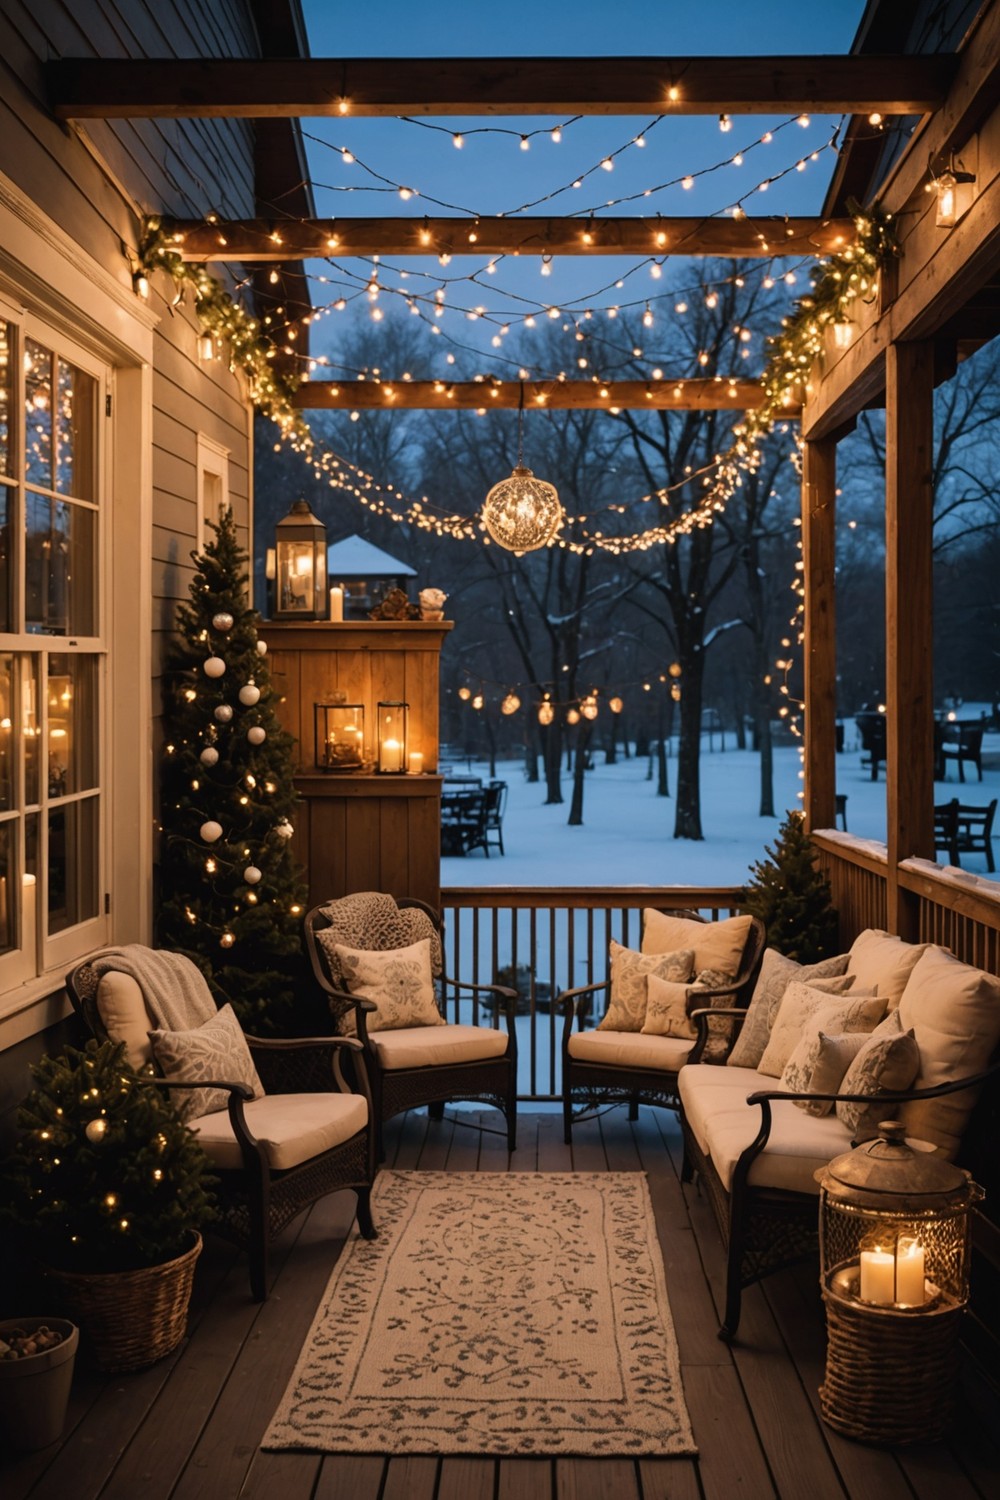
{"x":416,"y":760}
{"x":878,"y":1279}
{"x":910,"y":1272}
{"x":337,"y":605}
{"x":391,"y":756}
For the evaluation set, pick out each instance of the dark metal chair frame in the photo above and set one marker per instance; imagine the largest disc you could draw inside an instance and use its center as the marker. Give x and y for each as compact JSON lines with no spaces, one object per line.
{"x":596,"y":1085}
{"x":487,"y":1080}
{"x":255,"y":1203}
{"x":767,"y":1229}
{"x":961,"y":743}
{"x":961,"y":829}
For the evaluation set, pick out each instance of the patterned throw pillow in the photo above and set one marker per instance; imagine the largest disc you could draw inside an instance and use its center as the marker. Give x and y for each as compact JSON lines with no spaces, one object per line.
{"x":818,"y":1065}
{"x":217,"y":1050}
{"x":720,"y":1030}
{"x":398,"y":981}
{"x":776,"y":973}
{"x":667,"y":1009}
{"x":805,"y":1008}
{"x":629,"y":970}
{"x":890,"y":1060}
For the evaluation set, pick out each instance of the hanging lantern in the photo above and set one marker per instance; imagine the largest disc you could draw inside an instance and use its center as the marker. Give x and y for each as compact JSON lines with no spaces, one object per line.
{"x":510,"y":704}
{"x":573,"y":716}
{"x":895,"y":1248}
{"x":392,"y":729}
{"x":522,"y":513}
{"x":546,"y":713}
{"x":477,"y":702}
{"x":616,"y":705}
{"x":300,"y":549}
{"x":589,"y":707}
{"x":465,"y":693}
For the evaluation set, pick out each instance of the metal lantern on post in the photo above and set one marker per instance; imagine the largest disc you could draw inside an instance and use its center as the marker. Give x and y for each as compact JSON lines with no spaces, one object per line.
{"x":522,"y":513}
{"x":300,"y":566}
{"x":894,"y":1271}
{"x":339,"y":735}
{"x":391,"y":733}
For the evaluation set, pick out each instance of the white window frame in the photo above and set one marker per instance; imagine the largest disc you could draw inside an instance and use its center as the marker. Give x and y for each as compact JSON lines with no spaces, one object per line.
{"x":212,"y":461}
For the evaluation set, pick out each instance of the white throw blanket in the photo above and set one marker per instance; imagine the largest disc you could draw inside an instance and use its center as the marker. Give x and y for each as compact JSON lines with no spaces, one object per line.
{"x":175,"y":990}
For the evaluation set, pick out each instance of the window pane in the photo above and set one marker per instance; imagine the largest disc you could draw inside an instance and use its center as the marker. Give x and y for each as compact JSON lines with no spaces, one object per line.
{"x":6,"y":396}
{"x":38,"y":413}
{"x":72,"y":737}
{"x":7,"y":787}
{"x":6,"y":506}
{"x":60,"y":598}
{"x":75,"y":432}
{"x":31,"y":730}
{"x":73,"y":894}
{"x":8,"y":907}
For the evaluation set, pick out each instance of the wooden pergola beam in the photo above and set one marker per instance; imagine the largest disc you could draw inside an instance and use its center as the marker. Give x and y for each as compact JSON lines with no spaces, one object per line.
{"x":290,"y":239}
{"x":505,"y":395}
{"x":91,"y":88}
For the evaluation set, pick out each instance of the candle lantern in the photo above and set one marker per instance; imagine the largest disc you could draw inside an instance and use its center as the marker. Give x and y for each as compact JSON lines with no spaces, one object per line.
{"x":340,"y":735}
{"x":300,"y":566}
{"x":894,"y":1226}
{"x":392,"y":737}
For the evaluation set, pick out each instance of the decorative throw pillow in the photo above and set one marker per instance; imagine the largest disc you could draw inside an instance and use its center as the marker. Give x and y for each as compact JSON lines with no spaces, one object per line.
{"x":629,"y":971}
{"x":216,"y":1050}
{"x":889,"y":1060}
{"x":818,"y":1065}
{"x":716,"y":945}
{"x":804,"y":1004}
{"x":879,"y":960}
{"x":122,"y":1009}
{"x":667,"y":1009}
{"x":776,"y":973}
{"x":398,"y":981}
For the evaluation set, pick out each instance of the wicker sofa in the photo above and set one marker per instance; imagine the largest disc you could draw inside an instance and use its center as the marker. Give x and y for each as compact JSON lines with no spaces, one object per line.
{"x":755,"y":1143}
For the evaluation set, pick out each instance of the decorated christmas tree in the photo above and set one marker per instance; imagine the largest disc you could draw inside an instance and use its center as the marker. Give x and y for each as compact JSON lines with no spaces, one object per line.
{"x":231,"y":895}
{"x":792,"y":897}
{"x":104,"y":1175}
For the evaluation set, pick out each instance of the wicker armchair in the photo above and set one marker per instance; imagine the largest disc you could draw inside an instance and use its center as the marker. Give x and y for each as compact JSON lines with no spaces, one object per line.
{"x":482,"y":1070}
{"x":645,"y":1068}
{"x":265,"y":1155}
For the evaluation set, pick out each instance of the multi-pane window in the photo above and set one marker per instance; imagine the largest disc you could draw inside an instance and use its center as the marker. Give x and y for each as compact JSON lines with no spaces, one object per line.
{"x":51,"y":652}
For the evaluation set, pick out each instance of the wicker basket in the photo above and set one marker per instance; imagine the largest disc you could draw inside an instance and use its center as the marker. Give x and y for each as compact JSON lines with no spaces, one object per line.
{"x":130,"y":1318}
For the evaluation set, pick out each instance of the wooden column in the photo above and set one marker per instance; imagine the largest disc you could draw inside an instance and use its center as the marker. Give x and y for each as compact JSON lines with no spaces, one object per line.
{"x":909,"y":686}
{"x":819,"y":489}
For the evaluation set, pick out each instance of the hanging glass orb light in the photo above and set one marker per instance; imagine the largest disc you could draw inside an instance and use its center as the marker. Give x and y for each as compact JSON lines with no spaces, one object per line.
{"x":616,"y":705}
{"x":522,"y":513}
{"x":510,"y":704}
{"x":589,"y":707}
{"x":546,"y":713}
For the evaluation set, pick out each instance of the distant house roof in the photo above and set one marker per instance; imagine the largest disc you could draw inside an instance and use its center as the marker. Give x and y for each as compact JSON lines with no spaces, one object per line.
{"x":356,"y":558}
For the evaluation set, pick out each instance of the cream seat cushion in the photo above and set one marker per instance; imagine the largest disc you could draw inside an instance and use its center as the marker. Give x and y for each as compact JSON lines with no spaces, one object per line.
{"x":291,"y":1128}
{"x":630,"y":1049}
{"x":717,"y":945}
{"x":879,"y":961}
{"x":437,"y":1046}
{"x":715,"y":1108}
{"x":953,"y":1011}
{"x":123,"y":1012}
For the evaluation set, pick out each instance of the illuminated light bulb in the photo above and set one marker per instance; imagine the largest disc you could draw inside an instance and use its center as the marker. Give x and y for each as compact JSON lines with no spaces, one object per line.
{"x":589,"y":707}
{"x":546,"y":265}
{"x":712,"y":300}
{"x":790,"y":278}
{"x":142,"y":286}
{"x":647,"y":317}
{"x":465,"y":694}
{"x":210,"y":866}
{"x":406,"y":194}
{"x":607,"y":164}
{"x":800,"y":166}
{"x":346,"y":156}
{"x":738,"y":212}
{"x":725,"y":123}
{"x":344,"y":106}
{"x":639,"y":141}
{"x":525,"y":143}
{"x":546,"y":713}
{"x":227,"y":940}
{"x":680,"y":307}
{"x":874,"y":118}
{"x":673,"y":93}
{"x":738,"y":159}
{"x":458,"y":141}
{"x":578,"y":183}
{"x":553,"y":312}
{"x":556,"y":135}
{"x":477,"y":702}
{"x":572,"y":716}
{"x":656,"y":270}
{"x":803,"y":120}
{"x":510,"y":704}
{"x":687,"y":182}
{"x":616,"y":705}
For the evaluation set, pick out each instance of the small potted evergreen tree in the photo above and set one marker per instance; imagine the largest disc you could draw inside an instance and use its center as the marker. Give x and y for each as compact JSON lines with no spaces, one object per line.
{"x":792,"y":896}
{"x":109,"y":1190}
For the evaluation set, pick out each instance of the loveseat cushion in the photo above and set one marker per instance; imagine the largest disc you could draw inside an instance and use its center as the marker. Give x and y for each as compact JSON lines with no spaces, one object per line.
{"x":882,"y":962}
{"x":438,"y":1046}
{"x":122,"y":1009}
{"x":954,"y":1013}
{"x":291,"y":1128}
{"x":629,"y":1049}
{"x":887,"y":1062}
{"x":723,"y":1124}
{"x":776,"y":974}
{"x":808,"y":1009}
{"x":717,"y":945}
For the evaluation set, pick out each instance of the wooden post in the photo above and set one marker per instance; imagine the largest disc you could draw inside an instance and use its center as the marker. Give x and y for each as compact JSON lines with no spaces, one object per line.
{"x":819,"y":489}
{"x":909,"y":686}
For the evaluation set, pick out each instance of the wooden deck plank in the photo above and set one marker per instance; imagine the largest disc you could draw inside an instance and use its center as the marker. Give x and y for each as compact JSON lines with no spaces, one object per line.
{"x":596,"y":1479}
{"x":467,"y":1479}
{"x":553,"y":1153}
{"x":588,"y":1147}
{"x":410,"y":1478}
{"x":731,"y":1459}
{"x":350,"y":1476}
{"x":669,"y":1479}
{"x":525,"y":1479}
{"x":290,"y":1475}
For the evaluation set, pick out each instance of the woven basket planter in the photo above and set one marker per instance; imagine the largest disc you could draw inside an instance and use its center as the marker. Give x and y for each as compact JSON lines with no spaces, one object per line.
{"x":131,"y":1318}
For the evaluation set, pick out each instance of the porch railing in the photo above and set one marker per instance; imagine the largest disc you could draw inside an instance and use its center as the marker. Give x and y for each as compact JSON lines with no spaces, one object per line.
{"x":541,"y":942}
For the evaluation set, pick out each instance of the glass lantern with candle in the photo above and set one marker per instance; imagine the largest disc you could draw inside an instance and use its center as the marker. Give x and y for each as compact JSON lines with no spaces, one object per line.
{"x":300,"y":566}
{"x":894,"y":1227}
{"x":340,"y":735}
{"x":392,"y":738}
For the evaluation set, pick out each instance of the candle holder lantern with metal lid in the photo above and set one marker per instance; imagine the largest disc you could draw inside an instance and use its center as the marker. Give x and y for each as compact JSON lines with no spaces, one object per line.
{"x":894,"y":1271}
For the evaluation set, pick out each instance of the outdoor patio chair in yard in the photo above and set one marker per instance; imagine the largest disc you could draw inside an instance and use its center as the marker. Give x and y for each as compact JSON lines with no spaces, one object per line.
{"x":647,"y":1035}
{"x":277,"y":1119}
{"x":380,"y":964}
{"x":491,"y":823}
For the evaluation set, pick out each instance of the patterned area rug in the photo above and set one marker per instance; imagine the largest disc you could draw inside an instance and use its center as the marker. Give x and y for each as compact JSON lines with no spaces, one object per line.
{"x":496,"y":1314}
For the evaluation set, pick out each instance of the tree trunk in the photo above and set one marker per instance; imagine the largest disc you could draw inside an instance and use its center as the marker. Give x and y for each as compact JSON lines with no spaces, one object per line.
{"x":662,"y":784}
{"x":687,"y":823}
{"x":552,"y":751}
{"x":575,"y":819}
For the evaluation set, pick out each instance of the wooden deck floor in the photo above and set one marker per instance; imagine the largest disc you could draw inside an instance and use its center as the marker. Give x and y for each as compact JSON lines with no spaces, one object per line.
{"x":188,"y":1428}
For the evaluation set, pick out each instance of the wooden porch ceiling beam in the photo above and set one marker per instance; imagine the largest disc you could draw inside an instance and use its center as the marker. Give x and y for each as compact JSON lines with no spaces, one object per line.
{"x":283,"y":239}
{"x":91,"y":88}
{"x":505,"y":395}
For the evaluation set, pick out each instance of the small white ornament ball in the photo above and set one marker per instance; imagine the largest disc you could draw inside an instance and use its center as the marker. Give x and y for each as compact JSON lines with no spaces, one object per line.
{"x":210,"y":831}
{"x":249,"y":694}
{"x":261,"y":648}
{"x":256,"y":735}
{"x":284,"y":829}
{"x":209,"y":756}
{"x":214,"y":666}
{"x":95,"y":1130}
{"x":222,"y":621}
{"x":251,"y":874}
{"x":224,"y":713}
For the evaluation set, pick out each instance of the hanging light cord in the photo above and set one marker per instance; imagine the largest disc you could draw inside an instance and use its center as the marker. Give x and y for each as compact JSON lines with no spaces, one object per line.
{"x":520,"y":425}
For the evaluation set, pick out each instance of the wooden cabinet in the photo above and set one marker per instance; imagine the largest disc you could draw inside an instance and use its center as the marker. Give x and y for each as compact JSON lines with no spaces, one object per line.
{"x":363,"y":832}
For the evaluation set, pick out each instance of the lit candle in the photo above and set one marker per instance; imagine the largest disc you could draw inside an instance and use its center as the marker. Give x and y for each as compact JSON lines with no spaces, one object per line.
{"x":391,"y":756}
{"x":910,"y":1272}
{"x":416,"y":760}
{"x":337,"y":605}
{"x":270,"y":564}
{"x":878,"y":1281}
